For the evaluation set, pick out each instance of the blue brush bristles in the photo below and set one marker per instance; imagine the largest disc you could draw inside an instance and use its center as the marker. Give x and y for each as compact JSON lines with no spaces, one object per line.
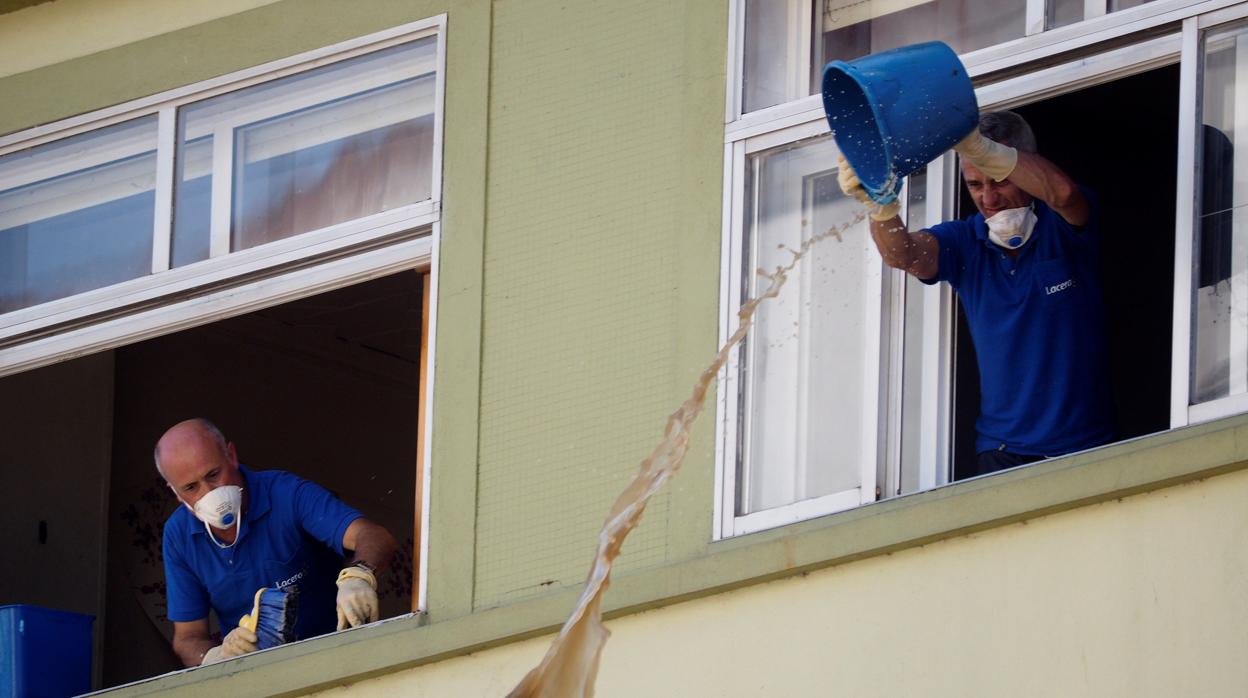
{"x":273,"y":616}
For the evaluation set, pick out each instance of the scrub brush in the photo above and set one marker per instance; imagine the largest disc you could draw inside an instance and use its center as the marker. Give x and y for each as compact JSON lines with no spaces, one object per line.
{"x":272,"y":617}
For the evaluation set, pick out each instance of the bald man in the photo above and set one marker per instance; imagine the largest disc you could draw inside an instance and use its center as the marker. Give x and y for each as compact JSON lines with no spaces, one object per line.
{"x":241,"y":530}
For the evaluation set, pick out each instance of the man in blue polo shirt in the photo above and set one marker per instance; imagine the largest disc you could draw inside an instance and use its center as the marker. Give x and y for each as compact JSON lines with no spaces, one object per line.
{"x":241,"y":530}
{"x":1025,"y":269}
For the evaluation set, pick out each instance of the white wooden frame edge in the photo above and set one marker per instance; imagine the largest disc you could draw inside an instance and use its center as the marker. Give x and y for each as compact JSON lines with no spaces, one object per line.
{"x":214,"y":270}
{"x":215,"y":306}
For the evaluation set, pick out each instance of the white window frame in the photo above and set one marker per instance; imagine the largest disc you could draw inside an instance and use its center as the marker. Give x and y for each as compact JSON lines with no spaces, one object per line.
{"x":1182,"y":412}
{"x":123,"y":313}
{"x":803,"y":118}
{"x":1033,"y":48}
{"x":728,"y":406}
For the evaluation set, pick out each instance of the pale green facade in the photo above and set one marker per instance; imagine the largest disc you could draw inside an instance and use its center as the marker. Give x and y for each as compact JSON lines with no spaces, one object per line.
{"x":578,"y":300}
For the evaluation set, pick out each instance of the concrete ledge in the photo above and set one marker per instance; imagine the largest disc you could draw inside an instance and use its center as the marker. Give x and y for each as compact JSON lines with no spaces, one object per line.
{"x":1112,"y":472}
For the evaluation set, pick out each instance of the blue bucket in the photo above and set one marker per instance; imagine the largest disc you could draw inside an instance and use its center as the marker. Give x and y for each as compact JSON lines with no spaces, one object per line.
{"x":895,"y":111}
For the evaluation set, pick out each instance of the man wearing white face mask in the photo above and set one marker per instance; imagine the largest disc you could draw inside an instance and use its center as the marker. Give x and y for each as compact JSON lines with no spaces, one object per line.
{"x":1026,"y":271}
{"x":240,"y":530}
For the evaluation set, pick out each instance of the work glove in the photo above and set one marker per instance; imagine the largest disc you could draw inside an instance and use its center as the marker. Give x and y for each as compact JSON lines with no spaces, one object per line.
{"x":237,"y":642}
{"x":988,"y":156}
{"x":357,"y":597}
{"x":852,"y":186}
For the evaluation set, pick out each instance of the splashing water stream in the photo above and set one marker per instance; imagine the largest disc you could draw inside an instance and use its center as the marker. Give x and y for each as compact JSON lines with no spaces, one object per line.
{"x":571,"y":664}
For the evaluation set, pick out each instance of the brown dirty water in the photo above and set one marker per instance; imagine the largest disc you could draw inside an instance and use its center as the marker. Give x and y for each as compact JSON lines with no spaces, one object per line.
{"x":570,"y":666}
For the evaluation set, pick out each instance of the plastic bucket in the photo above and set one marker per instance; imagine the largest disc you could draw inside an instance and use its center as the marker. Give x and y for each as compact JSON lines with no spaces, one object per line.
{"x":895,"y":111}
{"x":44,"y":653}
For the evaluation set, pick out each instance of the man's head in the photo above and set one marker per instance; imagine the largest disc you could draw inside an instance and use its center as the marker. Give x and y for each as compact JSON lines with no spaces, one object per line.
{"x":991,"y":196}
{"x":194,"y":458}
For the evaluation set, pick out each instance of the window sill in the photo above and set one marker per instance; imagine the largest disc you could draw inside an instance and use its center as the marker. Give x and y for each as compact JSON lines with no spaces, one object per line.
{"x":1107,"y":473}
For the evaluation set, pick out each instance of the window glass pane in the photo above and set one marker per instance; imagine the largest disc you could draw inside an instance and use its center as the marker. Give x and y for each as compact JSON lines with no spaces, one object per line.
{"x":774,"y":69}
{"x":1220,"y":347}
{"x":1059,"y":13}
{"x":77,"y":214}
{"x":912,"y":360}
{"x":778,"y":35}
{"x":322,"y":147}
{"x":805,"y":358}
{"x":192,"y":201}
{"x":1115,"y":5}
{"x":850,"y":28}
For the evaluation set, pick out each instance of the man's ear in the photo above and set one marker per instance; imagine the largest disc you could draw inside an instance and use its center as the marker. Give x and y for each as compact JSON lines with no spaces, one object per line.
{"x":232,"y":454}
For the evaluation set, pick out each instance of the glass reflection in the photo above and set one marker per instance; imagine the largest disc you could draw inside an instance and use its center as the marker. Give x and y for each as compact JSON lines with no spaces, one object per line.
{"x":1220,"y":304}
{"x":77,"y":214}
{"x":806,"y":356}
{"x":309,"y":151}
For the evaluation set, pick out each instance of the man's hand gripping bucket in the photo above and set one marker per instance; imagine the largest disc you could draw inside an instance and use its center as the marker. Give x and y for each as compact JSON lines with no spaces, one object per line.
{"x":893,"y":112}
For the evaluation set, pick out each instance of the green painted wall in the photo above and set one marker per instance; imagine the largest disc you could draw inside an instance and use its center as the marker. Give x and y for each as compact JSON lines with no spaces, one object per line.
{"x":579,"y":264}
{"x":601,"y":279}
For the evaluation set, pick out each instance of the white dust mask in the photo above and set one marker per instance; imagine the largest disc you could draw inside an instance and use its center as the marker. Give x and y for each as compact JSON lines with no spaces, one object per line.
{"x":1011,"y":228}
{"x":221,"y":508}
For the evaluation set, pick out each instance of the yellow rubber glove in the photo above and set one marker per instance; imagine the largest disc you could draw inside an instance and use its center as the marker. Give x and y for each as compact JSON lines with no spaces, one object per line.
{"x":357,"y":597}
{"x":852,"y":186}
{"x":988,"y":156}
{"x":238,"y":642}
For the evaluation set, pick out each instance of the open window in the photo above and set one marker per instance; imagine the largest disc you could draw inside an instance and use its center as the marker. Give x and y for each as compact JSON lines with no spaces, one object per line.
{"x":1137,"y":238}
{"x":327,"y":387}
{"x":1140,"y":102}
{"x":257,"y":249}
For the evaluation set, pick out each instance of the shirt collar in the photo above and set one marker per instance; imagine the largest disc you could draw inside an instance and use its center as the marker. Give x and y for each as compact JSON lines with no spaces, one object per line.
{"x":258,"y":500}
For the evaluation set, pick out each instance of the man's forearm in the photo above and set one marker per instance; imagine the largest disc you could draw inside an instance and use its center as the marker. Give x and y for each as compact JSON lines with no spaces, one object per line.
{"x":893,"y":241}
{"x":1046,"y":181}
{"x":913,"y":253}
{"x":374,"y":545}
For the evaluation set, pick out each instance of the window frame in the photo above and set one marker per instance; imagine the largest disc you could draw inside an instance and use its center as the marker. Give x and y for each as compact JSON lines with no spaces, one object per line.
{"x":1033,"y":75}
{"x":1183,"y":413}
{"x":1047,"y":46}
{"x":195,"y":293}
{"x":729,"y":448}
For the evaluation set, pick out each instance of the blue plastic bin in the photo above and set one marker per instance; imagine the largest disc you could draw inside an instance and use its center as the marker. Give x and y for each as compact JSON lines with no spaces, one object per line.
{"x":895,"y":111}
{"x":44,"y":653}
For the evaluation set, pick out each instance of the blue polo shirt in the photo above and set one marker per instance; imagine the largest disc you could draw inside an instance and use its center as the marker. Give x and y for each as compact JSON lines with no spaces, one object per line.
{"x":291,"y":536}
{"x":1038,"y":323}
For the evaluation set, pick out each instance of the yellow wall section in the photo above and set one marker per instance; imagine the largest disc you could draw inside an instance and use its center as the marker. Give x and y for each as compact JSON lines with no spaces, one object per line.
{"x":1138,"y":597}
{"x":65,"y":29}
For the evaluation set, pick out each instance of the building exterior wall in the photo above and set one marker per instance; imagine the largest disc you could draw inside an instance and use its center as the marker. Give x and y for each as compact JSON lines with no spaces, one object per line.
{"x":578,"y":298}
{"x":600,"y":280}
{"x":54,"y":32}
{"x":1141,"y":596}
{"x":578,"y":268}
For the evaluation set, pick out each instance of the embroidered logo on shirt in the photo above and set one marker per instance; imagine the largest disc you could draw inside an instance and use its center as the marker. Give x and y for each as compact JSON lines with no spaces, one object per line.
{"x":292,"y":580}
{"x":1058,"y":288}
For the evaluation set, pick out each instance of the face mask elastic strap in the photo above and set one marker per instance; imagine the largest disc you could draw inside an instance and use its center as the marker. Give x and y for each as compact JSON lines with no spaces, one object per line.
{"x":238,"y":530}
